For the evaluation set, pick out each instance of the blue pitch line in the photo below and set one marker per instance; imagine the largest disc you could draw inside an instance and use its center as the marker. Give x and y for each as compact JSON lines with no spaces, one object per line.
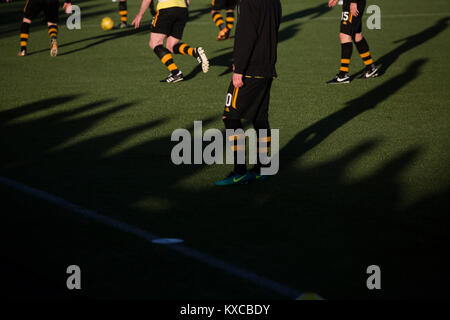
{"x":149,"y":237}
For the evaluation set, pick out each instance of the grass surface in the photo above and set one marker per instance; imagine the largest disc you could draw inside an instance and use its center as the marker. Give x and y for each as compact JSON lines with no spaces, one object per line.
{"x":364,"y":168}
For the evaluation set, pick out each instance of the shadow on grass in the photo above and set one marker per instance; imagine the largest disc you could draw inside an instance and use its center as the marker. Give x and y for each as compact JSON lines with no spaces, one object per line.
{"x":408,"y":44}
{"x":309,"y":226}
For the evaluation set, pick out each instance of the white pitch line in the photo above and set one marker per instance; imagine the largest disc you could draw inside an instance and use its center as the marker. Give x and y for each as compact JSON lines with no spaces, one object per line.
{"x":149,"y":237}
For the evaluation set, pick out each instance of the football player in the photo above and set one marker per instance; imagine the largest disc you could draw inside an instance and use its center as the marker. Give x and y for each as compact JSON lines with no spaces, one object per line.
{"x":226,"y":25}
{"x":50,"y":8}
{"x":169,"y":22}
{"x":351,"y":30}
{"x":255,"y":56}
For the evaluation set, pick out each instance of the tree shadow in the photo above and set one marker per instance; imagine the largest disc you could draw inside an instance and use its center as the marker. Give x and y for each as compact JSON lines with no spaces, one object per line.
{"x":316,"y":133}
{"x":309,"y":226}
{"x":100,"y":39}
{"x":407,"y":44}
{"x":314,"y":12}
{"x":198,"y":13}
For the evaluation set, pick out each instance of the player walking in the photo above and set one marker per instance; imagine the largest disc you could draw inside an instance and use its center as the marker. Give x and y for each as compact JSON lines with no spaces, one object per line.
{"x":226,"y":25}
{"x":169,"y":21}
{"x":31,"y":10}
{"x":255,"y":56}
{"x":351,"y":29}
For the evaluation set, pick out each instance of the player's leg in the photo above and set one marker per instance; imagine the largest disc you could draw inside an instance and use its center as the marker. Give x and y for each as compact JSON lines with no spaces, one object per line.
{"x":174,"y":43}
{"x":345,"y":36}
{"x":218,"y":19}
{"x":230,"y":19}
{"x":239,"y":174}
{"x":225,"y":33}
{"x":346,"y":55}
{"x":178,"y":47}
{"x":31,"y":9}
{"x":364,"y":51}
{"x":24,"y":35}
{"x":236,"y":138}
{"x":157,"y":45}
{"x":53,"y":34}
{"x":51,"y":11}
{"x":160,"y":29}
{"x":261,"y":95}
{"x":123,"y":12}
{"x":263,"y":134}
{"x":216,"y":7}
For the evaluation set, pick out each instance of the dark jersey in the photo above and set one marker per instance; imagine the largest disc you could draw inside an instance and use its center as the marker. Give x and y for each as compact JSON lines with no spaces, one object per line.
{"x":256,"y":38}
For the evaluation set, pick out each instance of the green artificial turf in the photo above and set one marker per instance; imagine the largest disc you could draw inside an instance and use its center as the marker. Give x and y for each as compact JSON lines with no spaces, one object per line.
{"x":364,"y":167}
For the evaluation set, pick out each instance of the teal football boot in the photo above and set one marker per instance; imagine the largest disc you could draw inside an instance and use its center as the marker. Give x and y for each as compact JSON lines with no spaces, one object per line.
{"x":234,"y":178}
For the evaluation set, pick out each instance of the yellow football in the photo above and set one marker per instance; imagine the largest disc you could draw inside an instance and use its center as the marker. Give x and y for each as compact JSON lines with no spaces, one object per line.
{"x":107,"y":23}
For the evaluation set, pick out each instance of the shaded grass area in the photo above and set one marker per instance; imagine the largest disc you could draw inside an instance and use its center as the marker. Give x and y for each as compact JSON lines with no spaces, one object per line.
{"x":363,"y":177}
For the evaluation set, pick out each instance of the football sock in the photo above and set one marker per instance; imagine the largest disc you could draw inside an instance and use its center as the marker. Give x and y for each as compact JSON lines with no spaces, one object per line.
{"x":262,"y":128}
{"x":24,"y":34}
{"x":166,"y":58}
{"x":218,"y":20}
{"x":346,"y":55}
{"x":230,"y":19}
{"x":183,"y":48}
{"x":237,"y":144}
{"x":53,"y":31}
{"x":364,"y":52}
{"x":123,"y":11}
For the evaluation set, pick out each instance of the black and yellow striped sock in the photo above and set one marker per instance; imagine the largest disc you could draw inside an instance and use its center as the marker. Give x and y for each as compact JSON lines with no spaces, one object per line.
{"x":262,"y":128}
{"x":123,"y":11}
{"x":166,"y":58}
{"x":230,"y":19}
{"x":24,"y":35}
{"x":53,"y":31}
{"x":364,"y":52}
{"x":237,"y":143}
{"x":218,"y":20}
{"x":183,"y":48}
{"x":346,"y":55}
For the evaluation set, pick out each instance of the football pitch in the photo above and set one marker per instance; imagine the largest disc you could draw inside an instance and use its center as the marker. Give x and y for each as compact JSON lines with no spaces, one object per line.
{"x":86,"y":176}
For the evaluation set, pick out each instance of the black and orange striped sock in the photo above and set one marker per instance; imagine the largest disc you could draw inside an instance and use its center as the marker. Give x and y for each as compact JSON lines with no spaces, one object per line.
{"x":166,"y":58}
{"x":364,"y":52}
{"x":262,"y":128}
{"x":24,"y":35}
{"x":218,"y":20}
{"x":237,"y":144}
{"x":346,"y":55}
{"x":53,"y":31}
{"x":230,"y":20}
{"x":183,"y":48}
{"x":123,"y":11}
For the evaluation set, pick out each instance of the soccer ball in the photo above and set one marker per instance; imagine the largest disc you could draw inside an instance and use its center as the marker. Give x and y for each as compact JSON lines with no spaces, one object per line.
{"x":107,"y":23}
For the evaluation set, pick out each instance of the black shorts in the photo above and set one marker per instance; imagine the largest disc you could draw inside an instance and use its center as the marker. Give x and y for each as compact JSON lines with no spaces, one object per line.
{"x":223,"y":4}
{"x":50,"y":8}
{"x":170,"y":21}
{"x":249,"y":102}
{"x":351,"y":25}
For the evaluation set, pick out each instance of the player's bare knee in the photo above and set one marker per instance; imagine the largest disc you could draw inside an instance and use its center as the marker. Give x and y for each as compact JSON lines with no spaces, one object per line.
{"x":358,"y":37}
{"x":153,"y":44}
{"x":345,"y":38}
